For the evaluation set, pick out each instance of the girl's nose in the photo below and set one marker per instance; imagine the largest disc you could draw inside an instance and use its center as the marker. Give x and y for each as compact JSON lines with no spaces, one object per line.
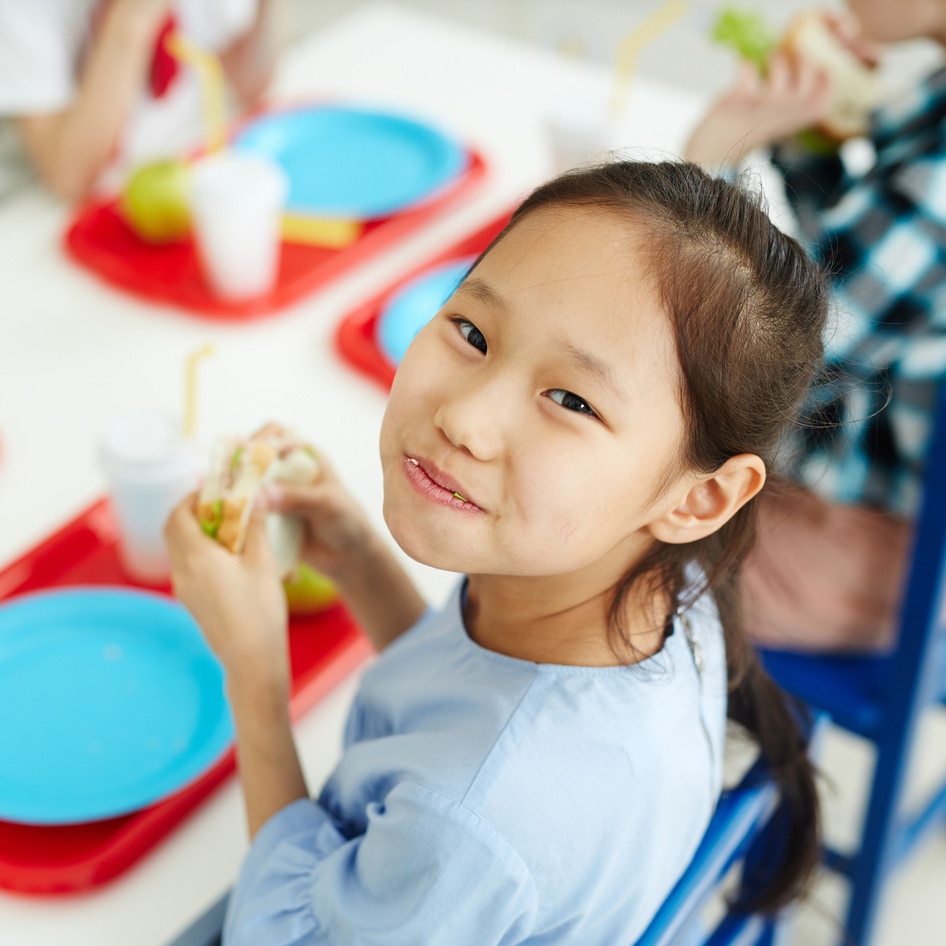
{"x":474,"y":415}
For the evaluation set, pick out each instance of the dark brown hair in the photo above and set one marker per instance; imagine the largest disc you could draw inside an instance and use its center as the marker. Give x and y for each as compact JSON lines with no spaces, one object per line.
{"x":747,"y":308}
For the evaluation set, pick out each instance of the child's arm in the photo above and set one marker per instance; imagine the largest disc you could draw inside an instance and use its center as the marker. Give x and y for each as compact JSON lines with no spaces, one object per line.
{"x":271,"y":774}
{"x":240,"y":606}
{"x":70,"y":147}
{"x":249,"y":61}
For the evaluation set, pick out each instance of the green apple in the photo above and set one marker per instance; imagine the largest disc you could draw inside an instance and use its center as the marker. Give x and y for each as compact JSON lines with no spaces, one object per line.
{"x":309,"y":591}
{"x":154,"y":201}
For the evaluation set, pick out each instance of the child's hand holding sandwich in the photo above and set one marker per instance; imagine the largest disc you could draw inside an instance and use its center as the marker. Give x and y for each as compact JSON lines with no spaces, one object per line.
{"x":268,"y":503}
{"x":817,"y":81}
{"x":231,"y":546}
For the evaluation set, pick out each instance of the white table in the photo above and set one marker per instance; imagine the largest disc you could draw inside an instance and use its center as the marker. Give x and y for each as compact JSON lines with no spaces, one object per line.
{"x":74,"y":352}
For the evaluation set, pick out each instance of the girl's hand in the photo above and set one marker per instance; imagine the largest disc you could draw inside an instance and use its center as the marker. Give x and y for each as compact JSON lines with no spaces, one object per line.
{"x":340,"y":542}
{"x":760,"y":111}
{"x":238,"y":600}
{"x":239,"y":603}
{"x":337,"y":533}
{"x":847,"y":30}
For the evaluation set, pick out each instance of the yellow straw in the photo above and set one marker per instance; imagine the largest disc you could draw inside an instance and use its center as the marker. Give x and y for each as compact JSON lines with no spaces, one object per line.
{"x":210,"y":74}
{"x":190,"y":389}
{"x":314,"y":231}
{"x":631,"y":46}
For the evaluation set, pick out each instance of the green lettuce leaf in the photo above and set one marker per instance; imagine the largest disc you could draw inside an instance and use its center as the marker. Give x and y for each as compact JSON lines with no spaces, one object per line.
{"x":746,"y":32}
{"x":212,"y":526}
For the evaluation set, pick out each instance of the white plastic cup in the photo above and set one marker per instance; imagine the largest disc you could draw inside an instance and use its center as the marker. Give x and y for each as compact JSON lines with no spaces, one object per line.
{"x":236,"y":200}
{"x":150,"y":469}
{"x":582,"y":130}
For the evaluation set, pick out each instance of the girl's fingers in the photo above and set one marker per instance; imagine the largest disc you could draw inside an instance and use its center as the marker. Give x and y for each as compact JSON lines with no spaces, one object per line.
{"x":182,"y":525}
{"x":295,"y":499}
{"x":812,"y":82}
{"x":748,"y":80}
{"x":780,"y":75}
{"x":847,"y":30}
{"x":270,"y":428}
{"x":256,"y":550}
{"x":821,"y":90}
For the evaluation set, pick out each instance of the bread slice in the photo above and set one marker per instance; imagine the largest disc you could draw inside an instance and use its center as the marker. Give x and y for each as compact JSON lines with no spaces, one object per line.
{"x":238,"y":469}
{"x":855,"y":85}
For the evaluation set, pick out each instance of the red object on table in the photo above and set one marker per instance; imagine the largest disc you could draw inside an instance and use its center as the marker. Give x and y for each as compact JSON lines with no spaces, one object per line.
{"x":355,"y":336}
{"x":99,"y":239}
{"x":164,"y":67}
{"x":39,"y":859}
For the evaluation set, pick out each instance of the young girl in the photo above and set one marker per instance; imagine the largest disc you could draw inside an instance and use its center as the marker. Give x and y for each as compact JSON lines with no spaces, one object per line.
{"x":580,"y":431}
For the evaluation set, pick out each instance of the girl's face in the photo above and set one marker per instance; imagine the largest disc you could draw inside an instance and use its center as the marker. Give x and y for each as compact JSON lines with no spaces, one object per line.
{"x":533,"y":419}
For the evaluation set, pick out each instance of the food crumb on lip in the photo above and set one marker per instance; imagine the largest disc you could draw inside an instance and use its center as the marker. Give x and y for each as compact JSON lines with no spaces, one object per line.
{"x":456,"y":495}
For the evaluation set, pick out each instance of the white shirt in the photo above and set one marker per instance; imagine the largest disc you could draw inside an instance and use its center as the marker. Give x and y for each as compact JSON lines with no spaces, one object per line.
{"x":43,"y":44}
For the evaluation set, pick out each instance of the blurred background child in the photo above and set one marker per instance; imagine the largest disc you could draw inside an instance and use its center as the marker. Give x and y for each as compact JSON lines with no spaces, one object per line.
{"x":87,"y":86}
{"x":829,"y":565}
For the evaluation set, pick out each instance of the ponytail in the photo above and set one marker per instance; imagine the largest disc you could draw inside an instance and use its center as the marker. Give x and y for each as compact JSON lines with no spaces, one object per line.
{"x":778,"y":723}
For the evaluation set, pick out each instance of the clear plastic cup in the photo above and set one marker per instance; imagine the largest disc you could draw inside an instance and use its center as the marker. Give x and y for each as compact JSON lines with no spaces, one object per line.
{"x":237,"y":200}
{"x":583,"y":130}
{"x":150,"y":468}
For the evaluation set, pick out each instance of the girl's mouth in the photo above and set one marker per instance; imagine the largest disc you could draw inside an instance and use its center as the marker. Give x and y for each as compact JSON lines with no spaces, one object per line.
{"x":436,"y":486}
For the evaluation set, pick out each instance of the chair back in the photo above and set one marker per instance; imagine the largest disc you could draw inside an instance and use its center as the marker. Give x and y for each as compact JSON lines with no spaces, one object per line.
{"x":881,"y":698}
{"x":746,"y":833}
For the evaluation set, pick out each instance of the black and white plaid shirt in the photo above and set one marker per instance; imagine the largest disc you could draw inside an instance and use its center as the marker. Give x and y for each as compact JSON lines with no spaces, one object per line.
{"x":882,"y":236}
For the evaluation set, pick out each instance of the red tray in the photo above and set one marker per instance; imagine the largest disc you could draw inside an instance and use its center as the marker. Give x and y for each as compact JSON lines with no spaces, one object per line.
{"x":323,"y":648}
{"x":99,"y":239}
{"x":355,"y":336}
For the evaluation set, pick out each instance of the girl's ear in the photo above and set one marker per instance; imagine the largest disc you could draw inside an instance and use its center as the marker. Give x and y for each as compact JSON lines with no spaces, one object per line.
{"x":712,"y":501}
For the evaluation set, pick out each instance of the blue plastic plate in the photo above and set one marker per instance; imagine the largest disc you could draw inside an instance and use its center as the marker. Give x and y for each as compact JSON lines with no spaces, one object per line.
{"x":415,"y":304}
{"x":109,"y":701}
{"x":353,"y":164}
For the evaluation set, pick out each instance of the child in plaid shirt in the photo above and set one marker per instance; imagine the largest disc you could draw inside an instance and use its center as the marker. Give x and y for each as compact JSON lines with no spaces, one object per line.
{"x":829,"y":565}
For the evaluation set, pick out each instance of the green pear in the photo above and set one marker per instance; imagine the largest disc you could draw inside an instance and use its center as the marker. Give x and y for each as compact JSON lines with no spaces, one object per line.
{"x":309,"y":591}
{"x":155,"y":201}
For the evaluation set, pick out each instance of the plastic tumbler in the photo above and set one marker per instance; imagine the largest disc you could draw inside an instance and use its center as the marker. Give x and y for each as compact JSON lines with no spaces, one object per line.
{"x":237,"y":200}
{"x":150,"y":468}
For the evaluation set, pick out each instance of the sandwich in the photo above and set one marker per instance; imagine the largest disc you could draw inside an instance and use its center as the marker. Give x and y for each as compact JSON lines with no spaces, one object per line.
{"x":237,"y":470}
{"x":855,"y":85}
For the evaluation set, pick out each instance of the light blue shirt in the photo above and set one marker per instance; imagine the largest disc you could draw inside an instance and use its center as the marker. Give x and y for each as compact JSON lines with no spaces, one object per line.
{"x":483,"y":799}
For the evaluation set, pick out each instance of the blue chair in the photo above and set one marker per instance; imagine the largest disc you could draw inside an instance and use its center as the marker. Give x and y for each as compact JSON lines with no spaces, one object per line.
{"x":745,"y":834}
{"x":882,"y":698}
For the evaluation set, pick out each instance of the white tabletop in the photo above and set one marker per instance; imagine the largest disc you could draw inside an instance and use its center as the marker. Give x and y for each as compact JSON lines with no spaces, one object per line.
{"x":74,"y":353}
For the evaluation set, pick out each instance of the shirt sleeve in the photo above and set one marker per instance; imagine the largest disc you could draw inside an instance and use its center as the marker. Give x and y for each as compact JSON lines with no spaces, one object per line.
{"x":426,"y":870}
{"x":37,"y":53}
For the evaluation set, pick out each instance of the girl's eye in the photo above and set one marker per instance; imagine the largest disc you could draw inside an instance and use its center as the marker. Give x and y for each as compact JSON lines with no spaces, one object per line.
{"x":471,"y":334}
{"x":571,"y":402}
